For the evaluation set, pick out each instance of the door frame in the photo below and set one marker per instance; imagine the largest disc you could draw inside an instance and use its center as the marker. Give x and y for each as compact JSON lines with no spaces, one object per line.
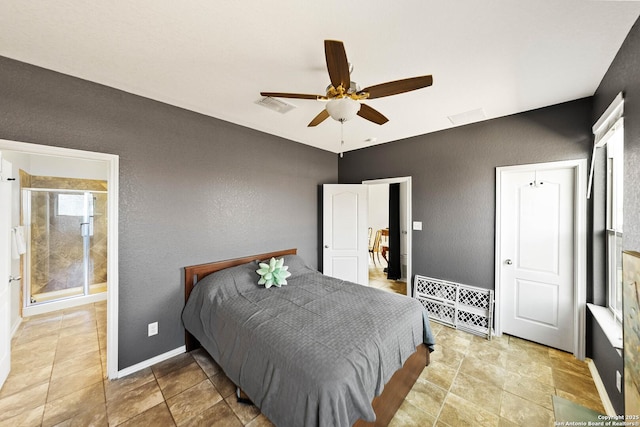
{"x":112,"y":161}
{"x":6,"y":278}
{"x":408,"y":217}
{"x":579,"y":243}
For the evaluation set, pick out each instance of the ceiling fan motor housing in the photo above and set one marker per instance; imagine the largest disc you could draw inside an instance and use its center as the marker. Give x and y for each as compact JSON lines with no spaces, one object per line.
{"x":353,"y":88}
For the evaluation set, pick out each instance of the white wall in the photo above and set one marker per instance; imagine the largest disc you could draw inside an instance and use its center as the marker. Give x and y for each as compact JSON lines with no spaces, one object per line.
{"x":378,"y":206}
{"x":67,"y":167}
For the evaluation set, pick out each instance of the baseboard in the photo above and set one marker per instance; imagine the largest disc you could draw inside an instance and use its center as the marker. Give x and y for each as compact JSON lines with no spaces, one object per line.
{"x":150,"y":362}
{"x":15,"y":326}
{"x":602,"y":391}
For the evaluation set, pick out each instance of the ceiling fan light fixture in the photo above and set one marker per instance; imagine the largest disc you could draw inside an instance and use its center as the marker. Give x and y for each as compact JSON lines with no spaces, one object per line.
{"x":343,"y":109}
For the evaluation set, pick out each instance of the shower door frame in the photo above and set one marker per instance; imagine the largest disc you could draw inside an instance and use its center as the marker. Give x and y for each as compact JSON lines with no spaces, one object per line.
{"x":86,"y":226}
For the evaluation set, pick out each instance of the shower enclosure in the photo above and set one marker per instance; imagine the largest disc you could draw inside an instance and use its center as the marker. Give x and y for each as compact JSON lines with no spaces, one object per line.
{"x":66,"y":236}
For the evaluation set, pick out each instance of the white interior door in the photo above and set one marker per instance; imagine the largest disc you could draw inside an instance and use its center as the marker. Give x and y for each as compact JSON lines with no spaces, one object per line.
{"x":345,"y":239}
{"x":536,"y":255}
{"x":5,"y":270}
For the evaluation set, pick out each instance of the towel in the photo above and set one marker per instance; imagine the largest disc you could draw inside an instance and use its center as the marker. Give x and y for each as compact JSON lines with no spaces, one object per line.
{"x":18,"y":245}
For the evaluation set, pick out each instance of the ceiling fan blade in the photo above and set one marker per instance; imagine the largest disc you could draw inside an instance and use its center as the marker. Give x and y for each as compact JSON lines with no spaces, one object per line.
{"x":324,"y":114}
{"x":292,"y":95}
{"x":372,"y":114}
{"x":397,"y":86}
{"x":337,"y":63}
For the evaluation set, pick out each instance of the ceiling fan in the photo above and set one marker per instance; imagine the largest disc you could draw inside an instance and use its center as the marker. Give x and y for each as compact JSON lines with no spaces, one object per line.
{"x":345,"y":96}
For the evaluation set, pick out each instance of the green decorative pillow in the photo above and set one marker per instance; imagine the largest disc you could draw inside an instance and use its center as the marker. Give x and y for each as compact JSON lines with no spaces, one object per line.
{"x":273,"y":274}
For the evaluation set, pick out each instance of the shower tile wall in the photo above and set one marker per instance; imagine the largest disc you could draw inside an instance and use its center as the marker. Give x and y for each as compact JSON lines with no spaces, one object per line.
{"x":56,"y":255}
{"x":67,"y":183}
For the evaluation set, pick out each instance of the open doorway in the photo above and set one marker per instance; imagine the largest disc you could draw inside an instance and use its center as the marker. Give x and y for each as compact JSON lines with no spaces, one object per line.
{"x":385,"y":226}
{"x":42,"y":160}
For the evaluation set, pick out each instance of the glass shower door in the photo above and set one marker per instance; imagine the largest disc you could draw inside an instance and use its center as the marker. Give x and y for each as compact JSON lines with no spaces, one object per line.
{"x":67,"y":234}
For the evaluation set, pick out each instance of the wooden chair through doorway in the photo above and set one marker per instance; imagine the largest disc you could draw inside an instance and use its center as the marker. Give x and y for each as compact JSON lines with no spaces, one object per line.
{"x":374,"y":247}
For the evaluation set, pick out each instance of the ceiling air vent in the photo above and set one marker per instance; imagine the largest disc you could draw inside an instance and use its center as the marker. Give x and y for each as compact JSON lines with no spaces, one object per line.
{"x":275,"y":104}
{"x":467,"y":117}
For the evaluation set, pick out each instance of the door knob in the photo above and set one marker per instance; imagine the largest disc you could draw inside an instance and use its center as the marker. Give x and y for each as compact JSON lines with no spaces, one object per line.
{"x":508,"y":262}
{"x":326,"y":246}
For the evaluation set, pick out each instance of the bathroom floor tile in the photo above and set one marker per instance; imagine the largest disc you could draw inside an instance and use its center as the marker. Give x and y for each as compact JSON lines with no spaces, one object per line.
{"x":78,"y":405}
{"x":76,"y":380}
{"x":26,"y":418}
{"x":25,"y":379}
{"x":24,"y":400}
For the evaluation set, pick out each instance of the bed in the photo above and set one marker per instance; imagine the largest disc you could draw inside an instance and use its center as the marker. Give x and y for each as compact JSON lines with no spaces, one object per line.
{"x":316,"y":352}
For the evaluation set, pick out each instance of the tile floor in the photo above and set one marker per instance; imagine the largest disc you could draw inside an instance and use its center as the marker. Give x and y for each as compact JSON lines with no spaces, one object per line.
{"x":378,"y":279}
{"x":58,"y":371}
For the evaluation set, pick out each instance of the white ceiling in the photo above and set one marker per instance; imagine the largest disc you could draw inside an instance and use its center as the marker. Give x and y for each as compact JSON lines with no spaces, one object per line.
{"x":214,"y":57}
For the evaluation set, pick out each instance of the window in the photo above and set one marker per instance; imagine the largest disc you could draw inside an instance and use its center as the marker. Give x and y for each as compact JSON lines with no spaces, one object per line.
{"x":615,"y":153}
{"x":75,"y":204}
{"x":609,"y":136}
{"x":71,"y":204}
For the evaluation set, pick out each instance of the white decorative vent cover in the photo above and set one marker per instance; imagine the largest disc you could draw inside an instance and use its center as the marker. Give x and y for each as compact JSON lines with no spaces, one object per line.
{"x":460,"y":306}
{"x":275,"y":104}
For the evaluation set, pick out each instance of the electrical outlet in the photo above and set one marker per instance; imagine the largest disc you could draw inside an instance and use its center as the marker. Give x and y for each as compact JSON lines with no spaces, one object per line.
{"x":619,"y":381}
{"x":153,"y":328}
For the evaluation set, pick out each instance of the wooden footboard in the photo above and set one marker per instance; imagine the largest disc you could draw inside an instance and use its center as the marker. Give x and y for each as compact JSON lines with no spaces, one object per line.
{"x":395,"y":391}
{"x":386,"y":405}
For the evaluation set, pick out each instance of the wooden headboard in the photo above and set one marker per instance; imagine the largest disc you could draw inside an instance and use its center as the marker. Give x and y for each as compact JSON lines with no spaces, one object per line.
{"x":194,"y":273}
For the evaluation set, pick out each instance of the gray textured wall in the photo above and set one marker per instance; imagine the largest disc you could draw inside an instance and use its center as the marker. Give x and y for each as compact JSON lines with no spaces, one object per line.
{"x":622,"y":76}
{"x":453,"y":179}
{"x":193,"y":189}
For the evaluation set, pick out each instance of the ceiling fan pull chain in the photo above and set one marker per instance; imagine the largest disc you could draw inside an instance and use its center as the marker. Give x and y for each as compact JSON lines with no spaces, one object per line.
{"x":341,"y":138}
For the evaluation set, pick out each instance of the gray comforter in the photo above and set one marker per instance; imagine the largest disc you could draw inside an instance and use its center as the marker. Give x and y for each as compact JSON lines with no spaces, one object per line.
{"x":311,"y":353}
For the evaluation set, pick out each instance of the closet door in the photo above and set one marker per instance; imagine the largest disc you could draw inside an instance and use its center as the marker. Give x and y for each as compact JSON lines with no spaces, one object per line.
{"x":536,"y":255}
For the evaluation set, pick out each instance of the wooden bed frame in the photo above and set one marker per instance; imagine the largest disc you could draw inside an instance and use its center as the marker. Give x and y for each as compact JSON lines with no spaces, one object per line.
{"x":395,"y":391}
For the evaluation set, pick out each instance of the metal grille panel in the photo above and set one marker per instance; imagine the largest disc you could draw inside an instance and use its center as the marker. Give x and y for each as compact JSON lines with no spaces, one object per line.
{"x":464,"y":307}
